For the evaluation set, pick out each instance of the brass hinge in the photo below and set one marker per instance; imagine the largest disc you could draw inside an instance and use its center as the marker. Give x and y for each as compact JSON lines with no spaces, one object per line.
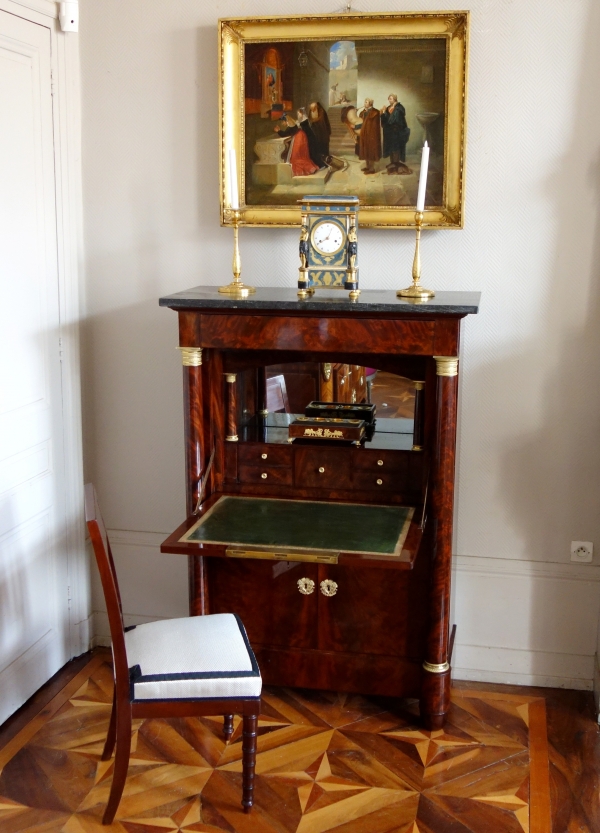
{"x":278,"y":555}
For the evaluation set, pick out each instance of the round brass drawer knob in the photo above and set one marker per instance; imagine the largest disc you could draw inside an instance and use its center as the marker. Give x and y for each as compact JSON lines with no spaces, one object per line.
{"x":380,"y":462}
{"x":264,"y":475}
{"x":263,"y":456}
{"x":380,"y":482}
{"x":321,"y":470}
{"x":306,"y":586}
{"x":328,"y":587}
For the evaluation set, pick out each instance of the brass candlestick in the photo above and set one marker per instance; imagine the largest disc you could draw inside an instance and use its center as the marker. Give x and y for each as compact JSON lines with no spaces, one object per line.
{"x":236,"y":288}
{"x":416,"y":290}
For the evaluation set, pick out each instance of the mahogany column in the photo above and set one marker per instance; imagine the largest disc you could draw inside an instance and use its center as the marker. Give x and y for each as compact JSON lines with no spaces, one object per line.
{"x":230,"y":381}
{"x":435,"y":690}
{"x":194,"y":466}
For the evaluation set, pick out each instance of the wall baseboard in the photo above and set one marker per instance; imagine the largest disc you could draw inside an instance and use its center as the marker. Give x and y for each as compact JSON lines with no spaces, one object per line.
{"x":101,"y":638}
{"x":522,"y":667}
{"x":525,"y":622}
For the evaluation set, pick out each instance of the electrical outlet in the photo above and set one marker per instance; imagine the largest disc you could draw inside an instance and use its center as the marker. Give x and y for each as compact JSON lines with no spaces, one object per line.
{"x":582,"y":551}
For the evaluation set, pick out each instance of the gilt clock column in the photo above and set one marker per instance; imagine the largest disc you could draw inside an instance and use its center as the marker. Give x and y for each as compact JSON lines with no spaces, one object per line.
{"x":435,"y":691}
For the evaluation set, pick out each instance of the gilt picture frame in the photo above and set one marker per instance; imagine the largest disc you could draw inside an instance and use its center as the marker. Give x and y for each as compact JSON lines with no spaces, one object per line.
{"x":341,"y":105}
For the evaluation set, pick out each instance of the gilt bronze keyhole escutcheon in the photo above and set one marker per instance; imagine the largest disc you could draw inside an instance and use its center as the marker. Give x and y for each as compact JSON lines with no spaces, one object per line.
{"x":306,"y":586}
{"x":328,"y":587}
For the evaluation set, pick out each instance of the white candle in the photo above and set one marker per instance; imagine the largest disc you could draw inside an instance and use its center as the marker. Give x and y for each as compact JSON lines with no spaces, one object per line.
{"x":234,"y":197}
{"x":423,"y":178}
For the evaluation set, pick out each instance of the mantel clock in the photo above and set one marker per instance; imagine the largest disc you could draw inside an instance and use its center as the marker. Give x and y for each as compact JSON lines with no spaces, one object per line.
{"x":328,"y":245}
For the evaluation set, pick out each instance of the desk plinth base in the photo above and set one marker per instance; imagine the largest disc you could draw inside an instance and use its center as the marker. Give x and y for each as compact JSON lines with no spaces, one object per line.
{"x":367,"y":674}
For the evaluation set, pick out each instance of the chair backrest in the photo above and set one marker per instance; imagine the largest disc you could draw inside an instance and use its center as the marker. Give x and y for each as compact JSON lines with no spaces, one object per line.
{"x":277,"y":398}
{"x":110,"y":586}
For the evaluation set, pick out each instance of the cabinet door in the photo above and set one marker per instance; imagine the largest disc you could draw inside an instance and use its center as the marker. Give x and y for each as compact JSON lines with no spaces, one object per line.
{"x":374,"y":611}
{"x":266,"y":597}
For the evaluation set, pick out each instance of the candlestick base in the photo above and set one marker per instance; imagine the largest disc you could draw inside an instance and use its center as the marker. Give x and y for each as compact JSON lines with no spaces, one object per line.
{"x":237,"y":289}
{"x":416,"y":291}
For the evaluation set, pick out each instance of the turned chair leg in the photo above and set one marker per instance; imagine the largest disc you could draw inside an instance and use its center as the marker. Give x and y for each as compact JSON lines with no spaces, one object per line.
{"x":112,"y":730}
{"x":248,"y":760}
{"x":228,"y":727}
{"x":123,"y":726}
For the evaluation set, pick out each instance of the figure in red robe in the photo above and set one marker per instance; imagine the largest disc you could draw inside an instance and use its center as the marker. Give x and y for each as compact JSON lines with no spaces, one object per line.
{"x":299,"y":152}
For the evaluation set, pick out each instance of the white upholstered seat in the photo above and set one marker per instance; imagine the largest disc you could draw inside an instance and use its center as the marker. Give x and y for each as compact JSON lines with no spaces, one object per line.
{"x":193,"y":658}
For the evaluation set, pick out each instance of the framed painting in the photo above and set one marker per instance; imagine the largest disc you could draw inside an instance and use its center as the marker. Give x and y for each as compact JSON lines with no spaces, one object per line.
{"x":342,"y":105}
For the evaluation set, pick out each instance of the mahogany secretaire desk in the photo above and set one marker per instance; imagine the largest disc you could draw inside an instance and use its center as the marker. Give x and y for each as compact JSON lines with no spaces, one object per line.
{"x":339,"y":585}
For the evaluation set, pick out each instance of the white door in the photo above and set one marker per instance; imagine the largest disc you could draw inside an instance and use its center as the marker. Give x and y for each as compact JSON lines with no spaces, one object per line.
{"x":33,"y":564}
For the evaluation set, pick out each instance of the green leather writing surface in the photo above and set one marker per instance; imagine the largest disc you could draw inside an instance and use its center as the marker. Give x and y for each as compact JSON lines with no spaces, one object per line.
{"x":304,"y":525}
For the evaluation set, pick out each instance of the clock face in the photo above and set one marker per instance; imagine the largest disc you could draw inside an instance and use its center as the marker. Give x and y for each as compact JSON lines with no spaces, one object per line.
{"x":328,"y":238}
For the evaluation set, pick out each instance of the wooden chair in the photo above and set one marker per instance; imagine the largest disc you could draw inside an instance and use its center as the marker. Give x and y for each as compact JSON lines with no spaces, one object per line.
{"x":202,"y":665}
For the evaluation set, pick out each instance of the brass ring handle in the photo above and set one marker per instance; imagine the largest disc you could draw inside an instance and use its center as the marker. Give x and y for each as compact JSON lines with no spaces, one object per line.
{"x":306,"y":586}
{"x":328,"y":587}
{"x":264,"y":475}
{"x":264,"y":456}
{"x":321,"y":470}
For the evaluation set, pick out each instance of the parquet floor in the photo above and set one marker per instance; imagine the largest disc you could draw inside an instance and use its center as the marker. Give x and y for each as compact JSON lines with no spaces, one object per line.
{"x":326,"y":762}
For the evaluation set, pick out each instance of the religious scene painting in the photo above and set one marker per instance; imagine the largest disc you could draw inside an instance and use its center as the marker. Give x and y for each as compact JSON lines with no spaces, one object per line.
{"x":348,"y":114}
{"x":348,"y":118}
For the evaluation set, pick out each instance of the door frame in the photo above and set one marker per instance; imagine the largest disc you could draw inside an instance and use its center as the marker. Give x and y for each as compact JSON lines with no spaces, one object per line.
{"x":66,"y":114}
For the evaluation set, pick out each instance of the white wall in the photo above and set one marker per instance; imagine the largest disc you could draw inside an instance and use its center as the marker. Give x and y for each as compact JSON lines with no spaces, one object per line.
{"x":528,"y":472}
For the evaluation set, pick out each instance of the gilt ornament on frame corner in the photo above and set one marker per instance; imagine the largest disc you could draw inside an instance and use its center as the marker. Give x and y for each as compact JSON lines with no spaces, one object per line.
{"x":341,"y":105}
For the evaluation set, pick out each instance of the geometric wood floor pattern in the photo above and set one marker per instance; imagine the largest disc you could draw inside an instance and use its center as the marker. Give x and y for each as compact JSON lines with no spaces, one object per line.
{"x":326,"y":762}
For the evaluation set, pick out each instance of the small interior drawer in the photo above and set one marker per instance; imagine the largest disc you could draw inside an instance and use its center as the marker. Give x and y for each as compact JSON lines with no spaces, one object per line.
{"x":381,"y":461}
{"x":382,"y":481}
{"x":265,"y":474}
{"x":262,"y":454}
{"x":322,"y":468}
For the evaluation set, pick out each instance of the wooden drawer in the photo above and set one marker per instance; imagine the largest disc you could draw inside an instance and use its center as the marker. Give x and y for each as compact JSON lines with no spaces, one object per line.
{"x":261,"y":454}
{"x":381,"y":461}
{"x":385,"y":482}
{"x":265,"y":474}
{"x":322,"y":468}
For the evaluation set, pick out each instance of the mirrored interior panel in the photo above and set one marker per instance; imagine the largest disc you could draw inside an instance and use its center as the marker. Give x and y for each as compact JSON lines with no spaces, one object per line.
{"x":289,"y":388}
